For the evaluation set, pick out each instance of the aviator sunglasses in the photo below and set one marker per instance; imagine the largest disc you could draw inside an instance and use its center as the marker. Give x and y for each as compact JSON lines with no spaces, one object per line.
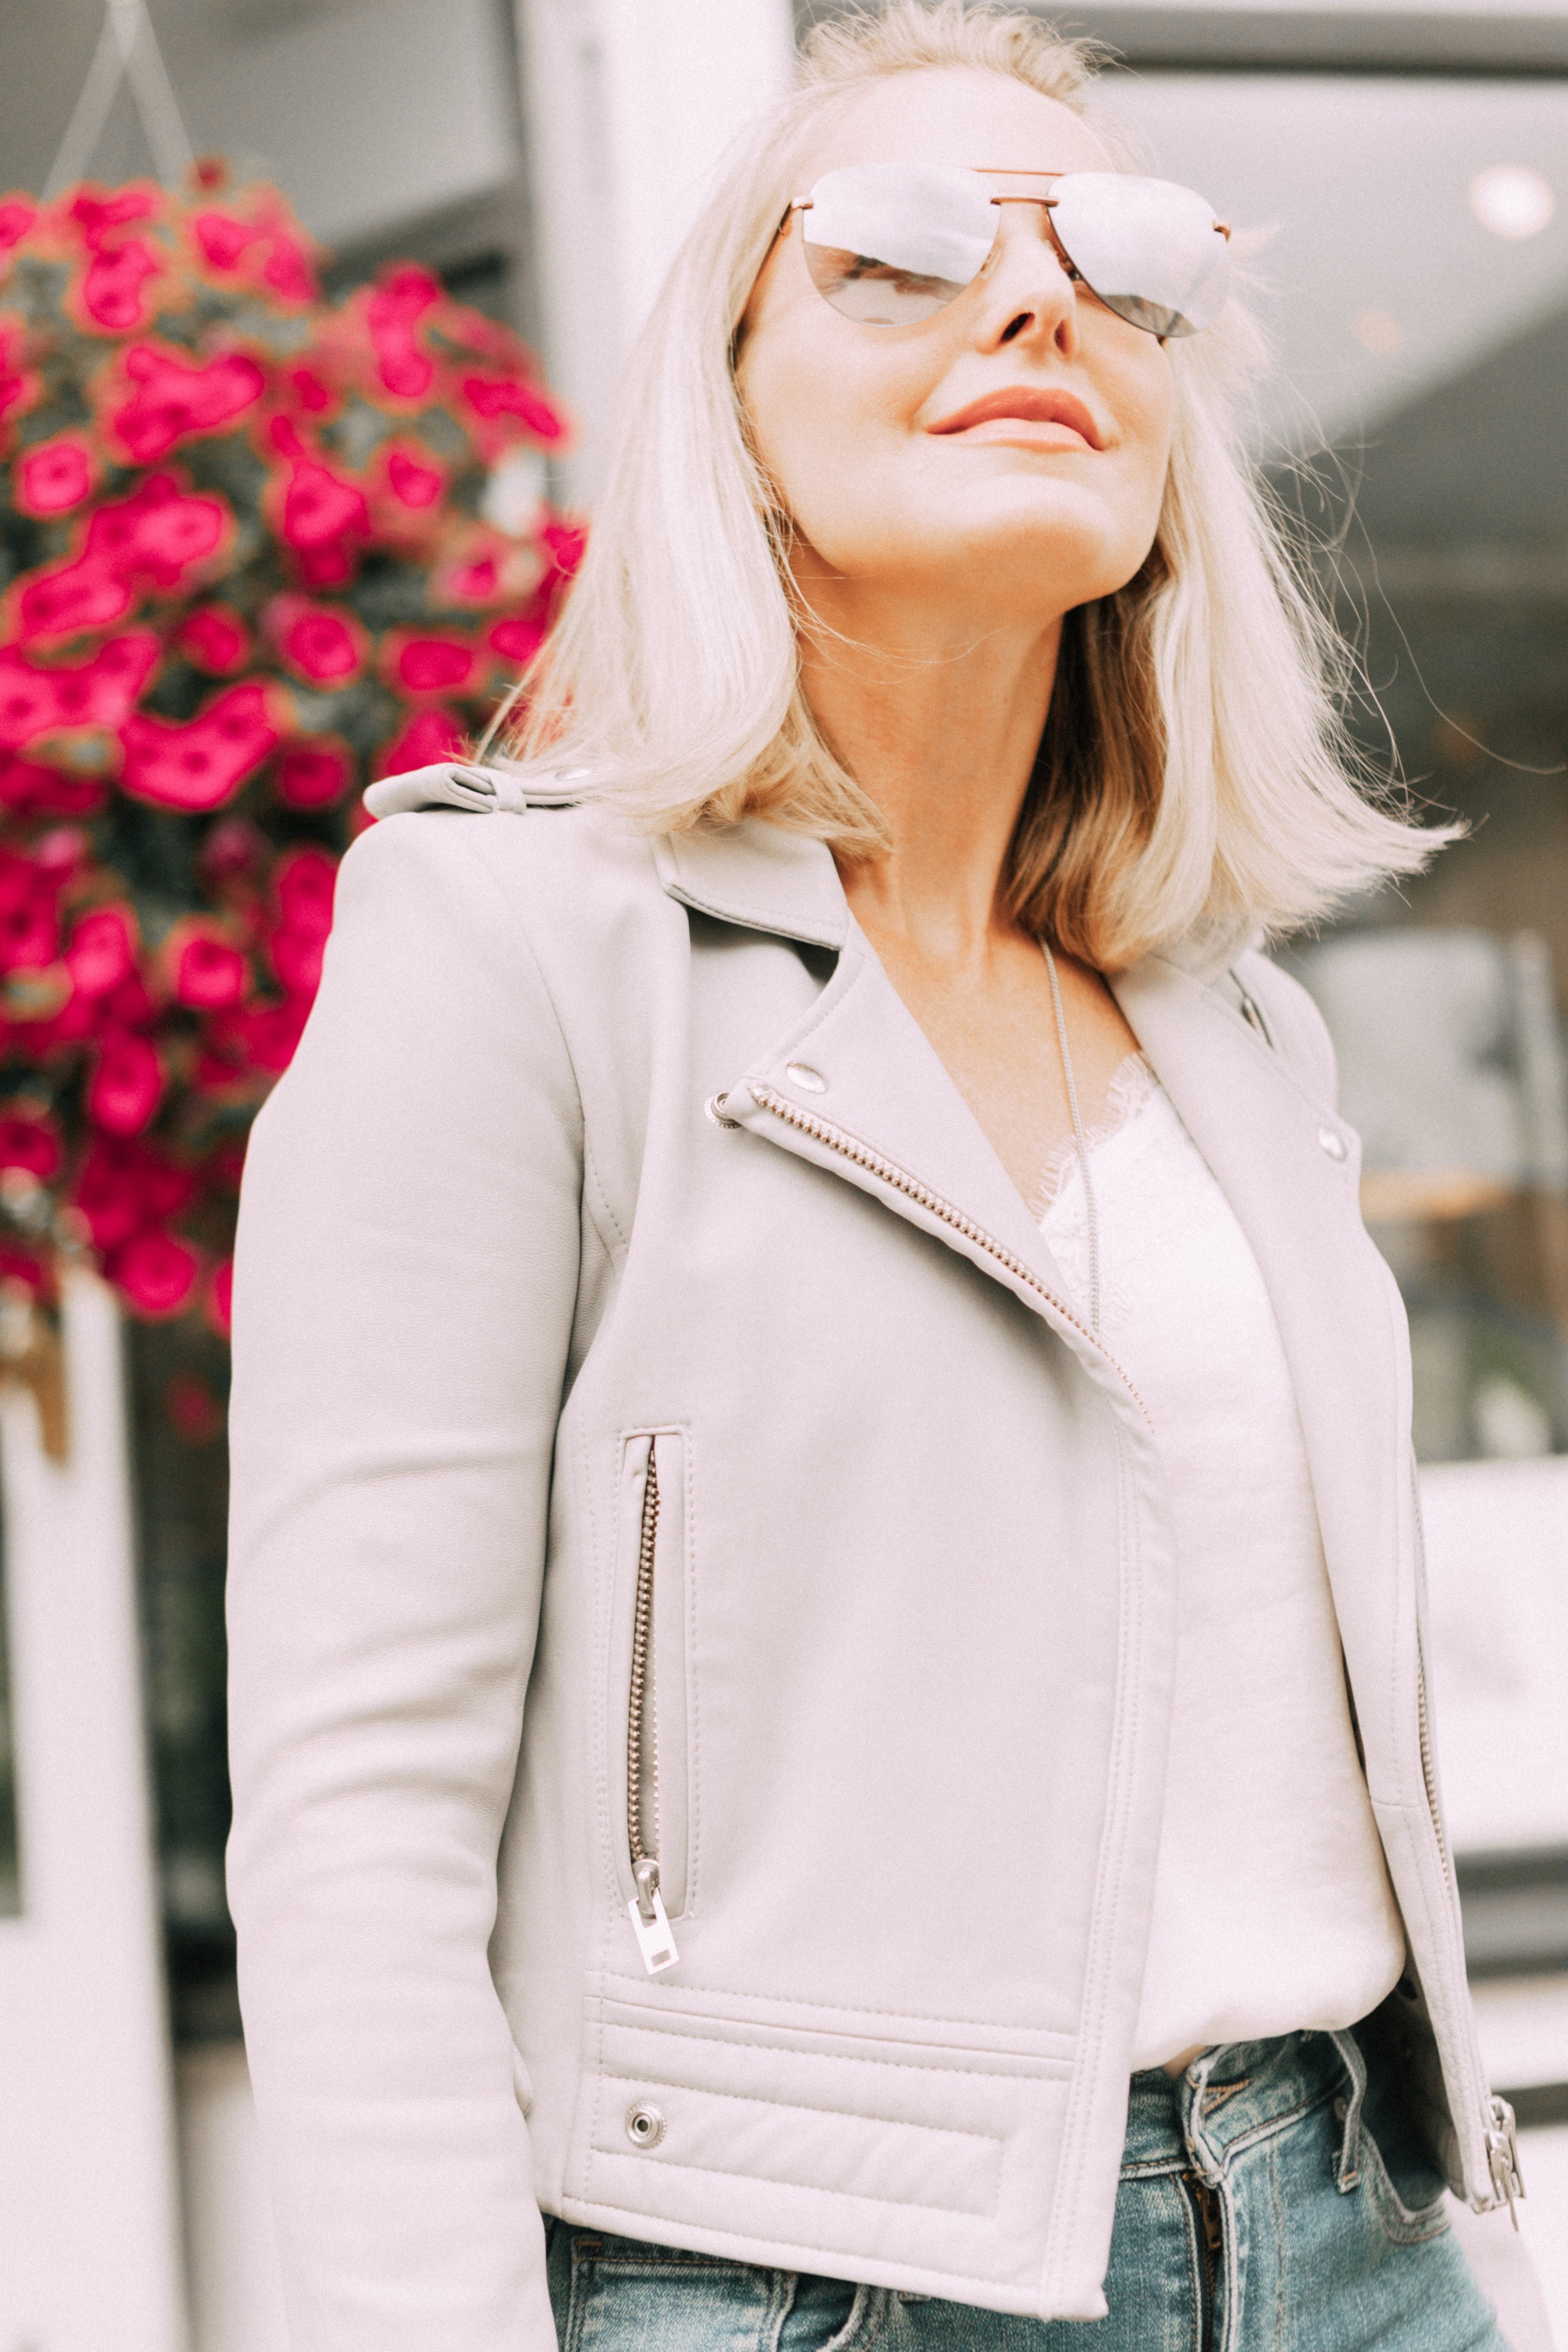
{"x":891,"y":244}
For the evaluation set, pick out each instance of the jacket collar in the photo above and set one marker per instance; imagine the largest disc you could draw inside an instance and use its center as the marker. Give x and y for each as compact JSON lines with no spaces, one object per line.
{"x":760,"y":876}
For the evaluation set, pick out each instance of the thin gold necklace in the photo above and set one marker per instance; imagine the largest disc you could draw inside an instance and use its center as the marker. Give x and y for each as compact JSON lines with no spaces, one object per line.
{"x":1092,"y":1216}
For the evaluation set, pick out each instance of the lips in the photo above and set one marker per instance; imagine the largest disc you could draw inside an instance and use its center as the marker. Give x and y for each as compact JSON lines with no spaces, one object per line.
{"x":1025,"y":404}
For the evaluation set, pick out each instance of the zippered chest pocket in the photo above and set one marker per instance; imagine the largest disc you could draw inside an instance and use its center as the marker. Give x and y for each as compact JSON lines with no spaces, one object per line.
{"x":652,"y":1677}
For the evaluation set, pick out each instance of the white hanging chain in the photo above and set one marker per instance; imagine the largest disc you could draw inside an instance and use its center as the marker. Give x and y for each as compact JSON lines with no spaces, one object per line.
{"x":127,"y":51}
{"x":1091,"y":1214}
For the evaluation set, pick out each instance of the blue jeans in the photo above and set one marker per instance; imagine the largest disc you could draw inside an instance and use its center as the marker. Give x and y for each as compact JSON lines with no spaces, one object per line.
{"x":1270,"y":2200}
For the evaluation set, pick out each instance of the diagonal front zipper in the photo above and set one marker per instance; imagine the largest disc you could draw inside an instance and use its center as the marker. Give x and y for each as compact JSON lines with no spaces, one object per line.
{"x":860,"y":1155}
{"x":646,"y":1909}
{"x":1498,"y":2119}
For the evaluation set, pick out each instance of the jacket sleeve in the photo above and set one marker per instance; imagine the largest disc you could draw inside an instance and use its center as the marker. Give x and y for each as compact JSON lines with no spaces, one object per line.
{"x":406,"y":1277}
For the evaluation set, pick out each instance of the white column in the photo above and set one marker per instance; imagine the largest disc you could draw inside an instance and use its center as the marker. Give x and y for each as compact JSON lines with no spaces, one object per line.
{"x":629,"y":106}
{"x":90,"y":2250}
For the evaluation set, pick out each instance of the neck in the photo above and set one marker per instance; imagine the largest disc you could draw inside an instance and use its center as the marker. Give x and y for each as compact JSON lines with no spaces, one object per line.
{"x":939,"y":721}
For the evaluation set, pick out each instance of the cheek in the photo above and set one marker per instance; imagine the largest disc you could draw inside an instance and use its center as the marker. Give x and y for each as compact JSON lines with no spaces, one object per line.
{"x":821,"y":426}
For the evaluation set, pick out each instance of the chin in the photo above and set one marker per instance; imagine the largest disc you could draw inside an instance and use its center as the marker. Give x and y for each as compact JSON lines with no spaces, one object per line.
{"x":1024,"y":552}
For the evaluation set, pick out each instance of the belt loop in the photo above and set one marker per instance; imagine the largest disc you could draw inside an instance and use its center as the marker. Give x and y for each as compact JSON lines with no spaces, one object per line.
{"x":1190,"y":2094}
{"x":1347,"y":2175}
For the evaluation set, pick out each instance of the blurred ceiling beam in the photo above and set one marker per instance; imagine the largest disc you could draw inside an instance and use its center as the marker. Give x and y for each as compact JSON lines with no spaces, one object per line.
{"x":1179,"y":39}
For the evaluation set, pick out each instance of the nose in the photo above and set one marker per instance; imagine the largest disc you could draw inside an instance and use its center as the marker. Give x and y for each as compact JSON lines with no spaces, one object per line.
{"x":1030,"y":297}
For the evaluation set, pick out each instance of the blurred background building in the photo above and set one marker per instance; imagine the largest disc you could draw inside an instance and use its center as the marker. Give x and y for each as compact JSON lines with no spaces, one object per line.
{"x":1402,"y":176}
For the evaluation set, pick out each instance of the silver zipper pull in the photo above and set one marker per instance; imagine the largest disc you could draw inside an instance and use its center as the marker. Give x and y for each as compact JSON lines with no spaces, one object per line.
{"x":651,"y":1924}
{"x":1502,"y":2157}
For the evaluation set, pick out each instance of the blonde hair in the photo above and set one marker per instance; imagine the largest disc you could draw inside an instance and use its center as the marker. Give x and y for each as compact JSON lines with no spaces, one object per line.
{"x":1194,"y":782}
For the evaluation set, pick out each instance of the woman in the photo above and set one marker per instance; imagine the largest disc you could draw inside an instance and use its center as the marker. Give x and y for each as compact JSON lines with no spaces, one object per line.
{"x":826,"y":1683}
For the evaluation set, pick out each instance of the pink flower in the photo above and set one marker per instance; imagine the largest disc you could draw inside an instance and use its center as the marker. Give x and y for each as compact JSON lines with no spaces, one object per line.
{"x":102,"y":950}
{"x":518,"y":640}
{"x":19,"y":385}
{"x":201,"y":763}
{"x":491,"y":396}
{"x":55,"y":476}
{"x":157,"y":1272}
{"x":567,"y":542}
{"x":155,"y":536}
{"x":206,"y":970}
{"x":297,"y":960}
{"x":319,"y":507}
{"x":429,"y":736}
{"x":289,"y":271}
{"x":321,"y":643}
{"x":160,"y":532}
{"x":42,"y":698}
{"x":223,"y":240}
{"x":305,"y":880}
{"x":70,"y":597}
{"x":215,"y":638}
{"x":434,"y":665}
{"x":269,"y":1033}
{"x":30,"y":1143}
{"x":307,"y":388}
{"x":61,"y":853}
{"x":124,"y":1186}
{"x":113,"y":287}
{"x":17,"y":214}
{"x":124,"y":1089}
{"x":393,"y":311}
{"x":29,"y":789}
{"x":313,"y":773}
{"x":29,"y":932}
{"x":174,"y":400}
{"x":413,"y":483}
{"x":266,"y":249}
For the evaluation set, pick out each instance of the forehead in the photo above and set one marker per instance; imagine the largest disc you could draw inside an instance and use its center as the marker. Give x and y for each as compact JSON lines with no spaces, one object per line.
{"x":958,"y":115}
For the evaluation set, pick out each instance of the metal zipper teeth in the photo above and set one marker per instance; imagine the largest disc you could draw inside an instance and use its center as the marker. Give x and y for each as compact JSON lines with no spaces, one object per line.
{"x":639,"y":1731}
{"x":851,"y":1149}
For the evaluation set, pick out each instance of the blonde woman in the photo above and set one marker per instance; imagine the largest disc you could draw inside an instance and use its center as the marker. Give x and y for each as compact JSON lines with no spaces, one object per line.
{"x":829,"y":1734}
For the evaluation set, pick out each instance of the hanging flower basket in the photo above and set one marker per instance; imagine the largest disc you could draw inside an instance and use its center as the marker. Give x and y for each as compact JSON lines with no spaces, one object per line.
{"x":255,"y":549}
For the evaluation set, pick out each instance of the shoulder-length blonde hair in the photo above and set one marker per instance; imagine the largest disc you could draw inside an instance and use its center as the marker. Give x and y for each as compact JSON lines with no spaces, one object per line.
{"x":1192,"y":783}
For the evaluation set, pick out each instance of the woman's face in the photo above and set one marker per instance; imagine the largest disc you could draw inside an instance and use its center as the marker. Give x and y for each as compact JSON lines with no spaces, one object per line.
{"x":863,"y":429}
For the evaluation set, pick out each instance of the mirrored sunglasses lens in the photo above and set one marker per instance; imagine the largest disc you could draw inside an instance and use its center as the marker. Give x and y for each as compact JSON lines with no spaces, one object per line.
{"x":1149,"y":249}
{"x":891,"y":244}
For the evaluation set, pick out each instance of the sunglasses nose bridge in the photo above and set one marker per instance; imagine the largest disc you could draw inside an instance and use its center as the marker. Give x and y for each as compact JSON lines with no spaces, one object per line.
{"x":1047,"y":207}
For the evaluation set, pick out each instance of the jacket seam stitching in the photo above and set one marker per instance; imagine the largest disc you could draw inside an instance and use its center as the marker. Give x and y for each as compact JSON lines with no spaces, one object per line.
{"x":846,"y":2196}
{"x":907,"y":2065}
{"x":799,"y":2108}
{"x":808,"y":2245}
{"x":899,"y":2016}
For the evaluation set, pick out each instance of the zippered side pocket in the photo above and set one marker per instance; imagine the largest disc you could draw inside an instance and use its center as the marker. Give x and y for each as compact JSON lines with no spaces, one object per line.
{"x":656,"y":1762}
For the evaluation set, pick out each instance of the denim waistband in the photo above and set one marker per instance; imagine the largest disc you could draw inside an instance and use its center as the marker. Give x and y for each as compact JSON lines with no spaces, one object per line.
{"x":1237,"y":2094}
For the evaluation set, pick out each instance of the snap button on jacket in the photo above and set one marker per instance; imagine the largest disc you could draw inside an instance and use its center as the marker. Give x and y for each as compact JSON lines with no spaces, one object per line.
{"x":702,"y":1604}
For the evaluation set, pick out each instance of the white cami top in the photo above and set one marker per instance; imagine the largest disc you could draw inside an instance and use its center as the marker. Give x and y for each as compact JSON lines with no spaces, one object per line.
{"x":1272,"y":1907}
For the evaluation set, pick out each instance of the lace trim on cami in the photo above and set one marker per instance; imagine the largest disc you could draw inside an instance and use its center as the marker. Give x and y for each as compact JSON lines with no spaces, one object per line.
{"x":1130,"y":1087}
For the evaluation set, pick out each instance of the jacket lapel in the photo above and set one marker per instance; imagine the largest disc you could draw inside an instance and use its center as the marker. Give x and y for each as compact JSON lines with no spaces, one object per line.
{"x":857,"y":1086}
{"x":1272,"y":1150}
